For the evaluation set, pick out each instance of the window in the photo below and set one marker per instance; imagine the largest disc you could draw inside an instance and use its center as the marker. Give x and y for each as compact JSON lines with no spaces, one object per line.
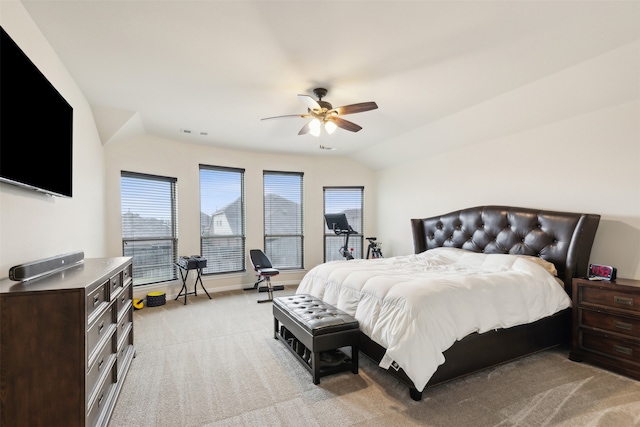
{"x":222,"y":239}
{"x":283,"y":239}
{"x":149,"y":233}
{"x":347,"y":200}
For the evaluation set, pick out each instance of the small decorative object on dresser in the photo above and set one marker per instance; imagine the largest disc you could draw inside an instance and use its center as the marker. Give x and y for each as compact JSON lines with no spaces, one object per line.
{"x":606,"y":324}
{"x":66,"y":344}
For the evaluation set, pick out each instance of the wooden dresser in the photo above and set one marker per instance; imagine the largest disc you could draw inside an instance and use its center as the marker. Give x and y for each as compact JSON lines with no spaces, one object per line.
{"x":606,"y":324}
{"x":66,"y":344}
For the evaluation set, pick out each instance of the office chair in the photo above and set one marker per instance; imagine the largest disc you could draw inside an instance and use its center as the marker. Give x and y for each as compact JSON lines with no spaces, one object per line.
{"x":265,"y":270}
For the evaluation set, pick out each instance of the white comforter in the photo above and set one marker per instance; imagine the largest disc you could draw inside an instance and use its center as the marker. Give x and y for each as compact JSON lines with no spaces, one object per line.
{"x":417,"y":306}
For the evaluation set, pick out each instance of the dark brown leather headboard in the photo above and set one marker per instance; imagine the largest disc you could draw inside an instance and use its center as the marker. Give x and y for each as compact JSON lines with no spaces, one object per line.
{"x":563,"y":238}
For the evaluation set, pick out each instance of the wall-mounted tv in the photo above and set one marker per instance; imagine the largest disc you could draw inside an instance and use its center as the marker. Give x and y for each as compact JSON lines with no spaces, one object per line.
{"x":36,"y":126}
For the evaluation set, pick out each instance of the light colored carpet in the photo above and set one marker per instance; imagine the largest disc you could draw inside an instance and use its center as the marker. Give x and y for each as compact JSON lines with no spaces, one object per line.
{"x":215,"y":363}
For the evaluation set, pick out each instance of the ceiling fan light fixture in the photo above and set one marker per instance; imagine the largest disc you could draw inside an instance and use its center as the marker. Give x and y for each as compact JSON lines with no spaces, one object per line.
{"x":322,"y":114}
{"x":314,"y":127}
{"x":330,"y":127}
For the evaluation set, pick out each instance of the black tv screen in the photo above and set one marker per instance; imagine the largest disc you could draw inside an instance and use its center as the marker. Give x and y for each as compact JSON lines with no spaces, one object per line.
{"x":36,"y":126}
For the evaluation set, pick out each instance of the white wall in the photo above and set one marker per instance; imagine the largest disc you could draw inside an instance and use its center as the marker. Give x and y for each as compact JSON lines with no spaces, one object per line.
{"x":567,"y":142}
{"x":588,"y":163}
{"x":33,"y":225}
{"x":157,"y":156}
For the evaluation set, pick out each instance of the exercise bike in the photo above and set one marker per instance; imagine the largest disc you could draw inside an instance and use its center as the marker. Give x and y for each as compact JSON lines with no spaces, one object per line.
{"x":340,"y":226}
{"x":374,"y":249}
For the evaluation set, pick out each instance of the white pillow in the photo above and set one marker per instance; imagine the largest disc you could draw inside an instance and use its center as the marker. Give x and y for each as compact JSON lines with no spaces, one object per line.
{"x":549,"y":266}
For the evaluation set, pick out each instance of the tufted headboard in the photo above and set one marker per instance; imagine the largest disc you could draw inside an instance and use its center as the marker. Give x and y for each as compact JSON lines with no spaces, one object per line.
{"x":563,"y":238}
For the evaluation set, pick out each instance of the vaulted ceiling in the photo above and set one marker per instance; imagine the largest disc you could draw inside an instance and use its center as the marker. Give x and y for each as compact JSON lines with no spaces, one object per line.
{"x":207,"y":72}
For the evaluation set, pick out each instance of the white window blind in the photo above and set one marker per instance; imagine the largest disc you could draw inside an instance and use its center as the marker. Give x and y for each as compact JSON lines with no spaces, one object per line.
{"x":347,"y":200}
{"x":222,"y":219}
{"x":149,"y":232}
{"x":283,"y":213}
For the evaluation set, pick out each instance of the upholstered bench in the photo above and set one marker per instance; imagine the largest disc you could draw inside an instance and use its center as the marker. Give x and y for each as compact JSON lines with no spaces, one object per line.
{"x":314,"y":331}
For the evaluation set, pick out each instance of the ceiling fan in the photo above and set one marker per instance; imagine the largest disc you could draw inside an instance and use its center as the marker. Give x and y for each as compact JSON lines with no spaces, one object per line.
{"x":322,"y":114}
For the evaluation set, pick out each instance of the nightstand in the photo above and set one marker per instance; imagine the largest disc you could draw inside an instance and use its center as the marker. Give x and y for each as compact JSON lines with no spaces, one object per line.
{"x":606,"y":324}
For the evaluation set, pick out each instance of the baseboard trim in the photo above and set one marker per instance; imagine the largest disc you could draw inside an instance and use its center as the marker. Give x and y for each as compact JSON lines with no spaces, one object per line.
{"x":173,"y":289}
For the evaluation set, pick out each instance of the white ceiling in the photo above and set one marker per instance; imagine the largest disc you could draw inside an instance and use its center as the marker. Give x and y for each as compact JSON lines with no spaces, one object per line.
{"x":218,"y":67}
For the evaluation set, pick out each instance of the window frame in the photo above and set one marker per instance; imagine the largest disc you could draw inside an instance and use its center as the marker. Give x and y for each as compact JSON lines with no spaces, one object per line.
{"x":240,"y":261}
{"x":270,"y":238}
{"x":359,"y":228}
{"x":172,"y":181}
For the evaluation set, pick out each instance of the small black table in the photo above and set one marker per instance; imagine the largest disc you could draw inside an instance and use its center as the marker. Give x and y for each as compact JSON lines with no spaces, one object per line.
{"x":184,"y":268}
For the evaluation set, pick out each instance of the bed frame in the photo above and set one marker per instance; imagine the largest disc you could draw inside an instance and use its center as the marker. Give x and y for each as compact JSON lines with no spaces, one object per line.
{"x":563,"y":238}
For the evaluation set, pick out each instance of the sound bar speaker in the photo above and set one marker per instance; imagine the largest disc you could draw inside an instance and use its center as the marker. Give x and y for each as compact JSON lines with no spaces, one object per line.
{"x":35,"y":269}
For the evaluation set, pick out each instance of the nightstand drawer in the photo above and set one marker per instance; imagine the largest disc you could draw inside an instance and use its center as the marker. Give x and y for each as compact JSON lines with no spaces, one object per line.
{"x":610,"y":298}
{"x":609,"y":322}
{"x":609,"y":346}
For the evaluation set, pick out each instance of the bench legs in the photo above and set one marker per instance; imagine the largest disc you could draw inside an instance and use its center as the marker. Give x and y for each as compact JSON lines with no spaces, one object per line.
{"x":308,"y":349}
{"x":315,"y":364}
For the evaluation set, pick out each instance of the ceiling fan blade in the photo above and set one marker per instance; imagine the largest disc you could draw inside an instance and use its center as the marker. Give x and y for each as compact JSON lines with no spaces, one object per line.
{"x":356,"y":108}
{"x":311,"y":103}
{"x":344,"y":124}
{"x":305,"y":129}
{"x":304,"y":116}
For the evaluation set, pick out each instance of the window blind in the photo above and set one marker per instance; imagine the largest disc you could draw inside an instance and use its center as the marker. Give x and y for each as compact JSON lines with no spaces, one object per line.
{"x":283,"y":215}
{"x":222,"y":219}
{"x":149,"y":232}
{"x":347,"y":200}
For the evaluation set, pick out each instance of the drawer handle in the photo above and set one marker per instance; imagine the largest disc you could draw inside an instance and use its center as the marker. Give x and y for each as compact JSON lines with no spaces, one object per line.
{"x":100,"y":400}
{"x":96,"y":300}
{"x":100,"y":365}
{"x":622,"y":325}
{"x":100,"y":328}
{"x":622,"y":300}
{"x":624,"y":350}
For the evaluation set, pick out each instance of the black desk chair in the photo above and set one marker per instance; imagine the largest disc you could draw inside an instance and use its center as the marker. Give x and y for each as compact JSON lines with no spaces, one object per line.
{"x":265,"y":270}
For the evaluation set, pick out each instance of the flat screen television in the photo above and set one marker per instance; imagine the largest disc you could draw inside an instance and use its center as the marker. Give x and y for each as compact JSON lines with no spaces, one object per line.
{"x":36,"y":126}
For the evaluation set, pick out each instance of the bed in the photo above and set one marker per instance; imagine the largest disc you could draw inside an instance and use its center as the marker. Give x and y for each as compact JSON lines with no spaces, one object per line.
{"x":476,"y":253}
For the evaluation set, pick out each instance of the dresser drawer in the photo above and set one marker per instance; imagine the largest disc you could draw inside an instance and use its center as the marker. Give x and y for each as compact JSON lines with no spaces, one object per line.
{"x":124,"y":324}
{"x":125,"y":350}
{"x":124,"y":300}
{"x":127,"y":274}
{"x":115,"y":283}
{"x":96,"y":299}
{"x":100,"y":329}
{"x":610,"y":298}
{"x":98,"y":409}
{"x":610,"y":322}
{"x":610,"y":346}
{"x":105,"y":358}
